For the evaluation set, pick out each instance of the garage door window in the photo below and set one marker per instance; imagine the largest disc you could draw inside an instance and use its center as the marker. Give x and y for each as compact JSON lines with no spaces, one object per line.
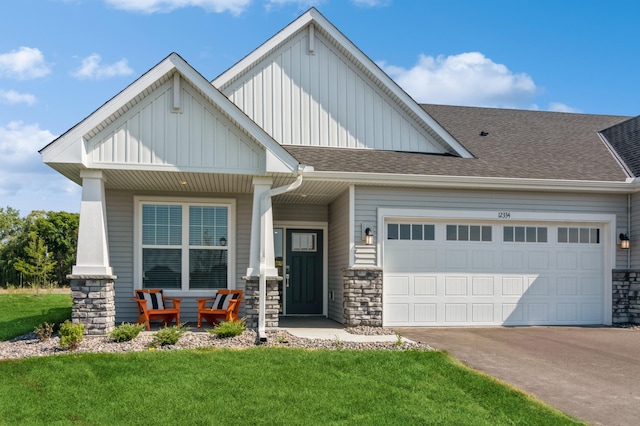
{"x":468,"y":233}
{"x":579,"y":235}
{"x":524,"y":234}
{"x":410,"y":232}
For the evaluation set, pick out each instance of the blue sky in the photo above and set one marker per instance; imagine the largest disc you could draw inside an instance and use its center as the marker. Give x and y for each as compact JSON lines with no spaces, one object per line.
{"x":60,"y":60}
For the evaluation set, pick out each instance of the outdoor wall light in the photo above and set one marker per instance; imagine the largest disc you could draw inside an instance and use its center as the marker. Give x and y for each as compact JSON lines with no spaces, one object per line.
{"x":624,"y":241}
{"x":368,"y":236}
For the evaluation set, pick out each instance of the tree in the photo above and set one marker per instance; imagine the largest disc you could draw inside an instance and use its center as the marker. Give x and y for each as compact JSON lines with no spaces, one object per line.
{"x":11,"y":226}
{"x":58,"y":232}
{"x":10,"y":223}
{"x":38,"y":264}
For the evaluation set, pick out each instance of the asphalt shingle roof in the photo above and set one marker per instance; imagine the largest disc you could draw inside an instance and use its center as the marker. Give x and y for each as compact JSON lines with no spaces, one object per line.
{"x":519,"y":144}
{"x":624,"y":138}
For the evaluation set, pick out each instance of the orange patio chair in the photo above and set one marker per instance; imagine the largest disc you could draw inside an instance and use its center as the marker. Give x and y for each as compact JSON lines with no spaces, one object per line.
{"x":225,"y":306}
{"x":152,"y":306}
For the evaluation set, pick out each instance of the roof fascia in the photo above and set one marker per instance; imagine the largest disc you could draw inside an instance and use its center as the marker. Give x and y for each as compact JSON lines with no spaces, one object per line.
{"x":278,"y":159}
{"x":315,"y":17}
{"x":473,"y":182}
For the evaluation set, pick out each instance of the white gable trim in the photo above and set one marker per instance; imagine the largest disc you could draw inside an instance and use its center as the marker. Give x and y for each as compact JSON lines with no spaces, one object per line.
{"x":315,"y":18}
{"x":69,"y":148}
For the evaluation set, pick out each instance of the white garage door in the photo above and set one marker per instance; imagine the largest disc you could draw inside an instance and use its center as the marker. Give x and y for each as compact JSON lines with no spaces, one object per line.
{"x":464,"y":273}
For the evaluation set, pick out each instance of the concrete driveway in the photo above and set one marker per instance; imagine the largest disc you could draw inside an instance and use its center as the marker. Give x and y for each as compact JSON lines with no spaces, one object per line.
{"x":591,"y":373}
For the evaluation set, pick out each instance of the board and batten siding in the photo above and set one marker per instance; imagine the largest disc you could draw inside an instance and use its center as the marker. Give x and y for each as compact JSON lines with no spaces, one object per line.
{"x":195,"y":137}
{"x":369,"y":199}
{"x":321,"y":98}
{"x":120,"y":208}
{"x":338,"y":254}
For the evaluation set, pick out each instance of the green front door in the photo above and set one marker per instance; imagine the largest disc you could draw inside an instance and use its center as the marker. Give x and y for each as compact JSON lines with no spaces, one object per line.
{"x":303,"y":287}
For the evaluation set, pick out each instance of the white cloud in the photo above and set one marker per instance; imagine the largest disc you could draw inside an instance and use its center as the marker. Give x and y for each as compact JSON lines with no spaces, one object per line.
{"x":464,"y":79}
{"x":91,"y":68}
{"x":560,"y":107}
{"x":26,"y":183}
{"x":24,"y":64}
{"x":234,"y":7}
{"x":19,"y":145}
{"x":12,"y":97}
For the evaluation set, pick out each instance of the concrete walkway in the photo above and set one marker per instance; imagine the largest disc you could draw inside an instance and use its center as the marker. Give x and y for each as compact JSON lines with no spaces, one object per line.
{"x":324,"y":328}
{"x":591,"y":373}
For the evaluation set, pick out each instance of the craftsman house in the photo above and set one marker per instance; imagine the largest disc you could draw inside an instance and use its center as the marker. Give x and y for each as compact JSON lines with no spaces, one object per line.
{"x":306,"y":177}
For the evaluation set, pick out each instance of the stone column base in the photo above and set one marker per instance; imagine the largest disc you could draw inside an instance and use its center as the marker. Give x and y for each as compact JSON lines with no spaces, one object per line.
{"x":626,"y":296}
{"x":252,"y":303}
{"x":94,"y":302}
{"x":362,"y":301}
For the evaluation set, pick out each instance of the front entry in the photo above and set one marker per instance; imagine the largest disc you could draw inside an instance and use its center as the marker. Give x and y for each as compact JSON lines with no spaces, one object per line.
{"x":303,"y":272}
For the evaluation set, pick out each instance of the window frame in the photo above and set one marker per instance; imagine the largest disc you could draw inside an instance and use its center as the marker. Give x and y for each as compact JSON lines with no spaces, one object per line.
{"x":185,"y":202}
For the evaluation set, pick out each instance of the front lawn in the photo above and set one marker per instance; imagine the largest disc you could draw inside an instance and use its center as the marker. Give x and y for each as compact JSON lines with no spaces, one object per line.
{"x":21,"y":313}
{"x":260,"y":386}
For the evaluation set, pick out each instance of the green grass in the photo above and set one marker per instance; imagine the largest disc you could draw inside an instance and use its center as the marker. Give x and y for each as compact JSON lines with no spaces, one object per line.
{"x":261,"y":385}
{"x":21,"y":313}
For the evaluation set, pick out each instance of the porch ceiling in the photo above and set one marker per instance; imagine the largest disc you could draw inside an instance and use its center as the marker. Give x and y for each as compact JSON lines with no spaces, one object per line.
{"x":310,"y":192}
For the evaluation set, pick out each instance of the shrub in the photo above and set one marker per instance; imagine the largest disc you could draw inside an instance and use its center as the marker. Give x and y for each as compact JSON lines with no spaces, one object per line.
{"x":168,"y":335}
{"x":44,"y":331}
{"x":229,"y":328}
{"x":125,"y":332}
{"x":71,"y":335}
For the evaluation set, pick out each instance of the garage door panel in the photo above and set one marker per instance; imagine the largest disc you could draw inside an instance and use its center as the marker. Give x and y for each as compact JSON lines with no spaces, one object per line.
{"x":425,"y":286}
{"x":425,"y":313}
{"x":538,"y":286}
{"x":482,"y":259}
{"x":397,"y":313}
{"x":512,"y":286}
{"x":398,"y":285}
{"x":493,"y":282}
{"x":567,"y":312}
{"x":591,"y":313}
{"x":455,"y":260}
{"x":513,"y":260}
{"x":483,"y":313}
{"x":538,"y":313}
{"x":455,"y":286}
{"x":567,"y":260}
{"x":455,"y":312}
{"x":538,"y":260}
{"x":482,"y":286}
{"x":590,"y":286}
{"x":567,"y":286}
{"x":591,"y":261}
{"x":512,"y":313}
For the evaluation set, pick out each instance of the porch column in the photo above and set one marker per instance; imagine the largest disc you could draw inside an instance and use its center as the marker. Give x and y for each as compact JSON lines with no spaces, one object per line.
{"x":92,"y":279}
{"x":261,"y":222}
{"x":93,"y":245}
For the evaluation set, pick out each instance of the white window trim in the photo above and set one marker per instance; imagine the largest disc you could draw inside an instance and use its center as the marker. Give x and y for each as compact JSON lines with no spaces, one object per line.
{"x":230,"y":203}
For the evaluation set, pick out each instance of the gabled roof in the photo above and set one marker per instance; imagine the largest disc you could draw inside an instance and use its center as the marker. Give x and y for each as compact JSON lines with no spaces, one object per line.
{"x":377,"y":77}
{"x":624,"y":139}
{"x":67,"y":153}
{"x":518,"y":144}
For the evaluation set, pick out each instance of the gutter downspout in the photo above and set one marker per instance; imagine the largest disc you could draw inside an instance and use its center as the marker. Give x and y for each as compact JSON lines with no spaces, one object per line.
{"x":262,"y":284}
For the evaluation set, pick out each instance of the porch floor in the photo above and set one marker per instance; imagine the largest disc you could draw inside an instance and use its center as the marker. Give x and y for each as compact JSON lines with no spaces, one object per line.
{"x":327,"y":329}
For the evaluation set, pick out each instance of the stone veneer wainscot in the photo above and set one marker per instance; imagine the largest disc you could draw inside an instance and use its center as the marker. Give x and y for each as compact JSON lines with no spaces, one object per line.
{"x":362,"y":300}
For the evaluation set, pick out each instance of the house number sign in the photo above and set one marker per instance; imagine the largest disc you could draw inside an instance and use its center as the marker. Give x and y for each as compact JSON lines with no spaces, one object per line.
{"x":504,"y":215}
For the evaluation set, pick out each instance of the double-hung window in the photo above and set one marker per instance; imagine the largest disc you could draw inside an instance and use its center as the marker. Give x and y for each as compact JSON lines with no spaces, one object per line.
{"x":184,"y":245}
